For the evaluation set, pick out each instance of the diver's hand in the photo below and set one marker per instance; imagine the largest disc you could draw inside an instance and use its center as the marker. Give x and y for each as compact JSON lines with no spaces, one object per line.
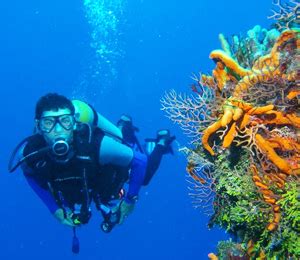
{"x":59,"y":214}
{"x":125,"y":209}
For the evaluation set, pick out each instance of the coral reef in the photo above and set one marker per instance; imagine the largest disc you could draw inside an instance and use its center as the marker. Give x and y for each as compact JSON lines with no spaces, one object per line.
{"x":244,"y":155}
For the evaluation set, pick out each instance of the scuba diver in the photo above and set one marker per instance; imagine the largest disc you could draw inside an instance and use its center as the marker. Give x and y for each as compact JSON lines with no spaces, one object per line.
{"x":76,"y":157}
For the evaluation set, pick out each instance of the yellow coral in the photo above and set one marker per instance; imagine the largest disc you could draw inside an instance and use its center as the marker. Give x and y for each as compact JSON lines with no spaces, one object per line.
{"x":228,"y":62}
{"x":207,"y":133}
{"x":266,"y":67}
{"x":272,"y":155}
{"x":212,"y":256}
{"x":230,"y":136}
{"x":239,"y":116}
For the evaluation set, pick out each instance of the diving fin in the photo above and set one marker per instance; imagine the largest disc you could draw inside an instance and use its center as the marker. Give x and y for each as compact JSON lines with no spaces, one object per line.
{"x":149,"y":146}
{"x":165,"y":139}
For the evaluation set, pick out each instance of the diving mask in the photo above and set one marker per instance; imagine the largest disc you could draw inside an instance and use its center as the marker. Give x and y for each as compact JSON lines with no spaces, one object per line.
{"x":47,"y":123}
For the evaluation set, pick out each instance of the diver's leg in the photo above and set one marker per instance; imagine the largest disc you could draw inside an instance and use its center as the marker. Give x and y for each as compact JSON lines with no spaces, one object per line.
{"x":113,"y":152}
{"x":154,"y":160}
{"x":162,"y":146}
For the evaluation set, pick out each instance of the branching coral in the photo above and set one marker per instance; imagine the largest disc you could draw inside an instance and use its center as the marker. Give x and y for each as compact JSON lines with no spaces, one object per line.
{"x":245,"y":126}
{"x":286,"y":14}
{"x":193,"y":113}
{"x":200,"y":179}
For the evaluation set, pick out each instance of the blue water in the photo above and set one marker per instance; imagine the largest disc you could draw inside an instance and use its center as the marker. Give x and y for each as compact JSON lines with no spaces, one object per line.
{"x":46,"y":47}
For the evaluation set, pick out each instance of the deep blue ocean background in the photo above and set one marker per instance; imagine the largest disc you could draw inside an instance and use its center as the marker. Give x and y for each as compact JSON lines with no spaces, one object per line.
{"x":45,"y":47}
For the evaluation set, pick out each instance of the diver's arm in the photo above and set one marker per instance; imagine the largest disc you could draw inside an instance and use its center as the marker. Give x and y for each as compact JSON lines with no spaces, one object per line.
{"x":50,"y":202}
{"x":43,"y":194}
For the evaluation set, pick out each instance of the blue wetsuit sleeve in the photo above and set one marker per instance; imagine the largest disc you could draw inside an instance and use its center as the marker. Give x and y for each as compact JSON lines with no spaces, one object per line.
{"x":43,"y":194}
{"x":137,"y":175}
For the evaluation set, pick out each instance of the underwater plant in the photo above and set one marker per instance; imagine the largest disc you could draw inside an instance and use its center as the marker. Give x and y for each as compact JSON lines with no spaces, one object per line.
{"x":244,"y":124}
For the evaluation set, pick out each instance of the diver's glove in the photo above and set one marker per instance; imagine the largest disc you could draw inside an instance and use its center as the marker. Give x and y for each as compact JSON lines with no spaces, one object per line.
{"x":125,"y":208}
{"x":64,"y":217}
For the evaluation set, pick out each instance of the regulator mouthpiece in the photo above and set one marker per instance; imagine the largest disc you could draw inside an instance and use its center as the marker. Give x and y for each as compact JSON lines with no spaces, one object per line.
{"x":60,"y":147}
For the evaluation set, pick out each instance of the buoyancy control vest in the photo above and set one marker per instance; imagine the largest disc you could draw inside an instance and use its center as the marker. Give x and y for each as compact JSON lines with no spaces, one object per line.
{"x":70,"y":180}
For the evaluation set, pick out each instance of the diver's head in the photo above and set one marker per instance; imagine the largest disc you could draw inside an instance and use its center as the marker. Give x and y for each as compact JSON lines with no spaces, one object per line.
{"x":54,"y":117}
